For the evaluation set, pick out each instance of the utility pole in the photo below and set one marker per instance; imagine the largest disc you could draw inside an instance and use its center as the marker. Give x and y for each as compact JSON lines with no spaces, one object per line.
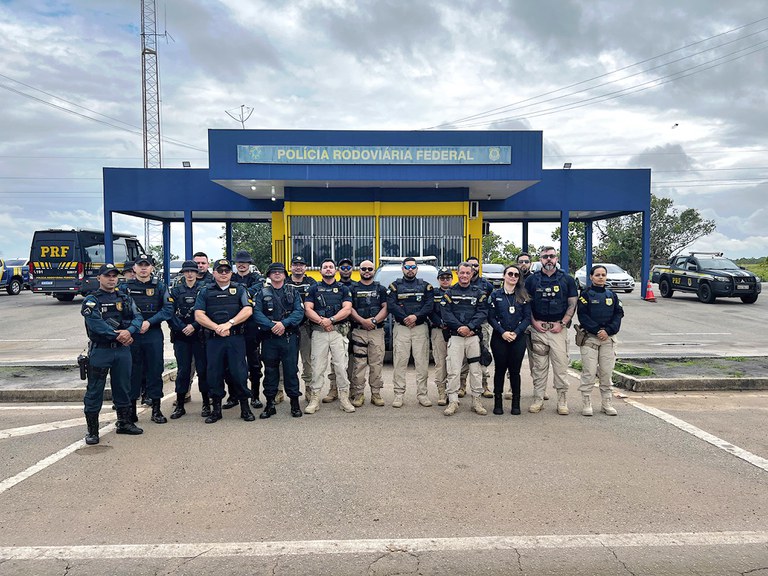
{"x":150,"y":96}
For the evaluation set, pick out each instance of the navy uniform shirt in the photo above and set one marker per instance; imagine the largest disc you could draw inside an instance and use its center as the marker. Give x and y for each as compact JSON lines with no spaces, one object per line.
{"x":600,"y":309}
{"x":508,"y":315}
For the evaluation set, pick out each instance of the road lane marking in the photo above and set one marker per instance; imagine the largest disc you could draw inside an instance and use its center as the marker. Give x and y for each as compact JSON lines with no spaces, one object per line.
{"x":77,"y":406}
{"x":41,"y":465}
{"x":34,"y":340}
{"x":50,"y":426}
{"x":690,"y":334}
{"x":380,"y":546}
{"x":702,"y":435}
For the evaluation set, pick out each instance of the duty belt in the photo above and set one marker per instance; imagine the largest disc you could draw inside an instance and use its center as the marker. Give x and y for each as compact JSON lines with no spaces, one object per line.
{"x":111,"y":345}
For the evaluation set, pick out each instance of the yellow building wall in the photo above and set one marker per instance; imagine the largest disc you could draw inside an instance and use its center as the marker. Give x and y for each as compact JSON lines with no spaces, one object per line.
{"x":473,"y":229}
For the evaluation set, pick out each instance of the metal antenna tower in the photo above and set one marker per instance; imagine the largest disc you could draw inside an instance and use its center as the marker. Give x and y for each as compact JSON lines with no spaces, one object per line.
{"x":150,"y":99}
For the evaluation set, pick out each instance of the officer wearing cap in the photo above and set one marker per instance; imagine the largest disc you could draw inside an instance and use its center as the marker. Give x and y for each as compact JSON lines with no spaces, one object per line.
{"x":278,"y":311}
{"x":222,"y":308}
{"x":111,"y":321}
{"x":152,"y":299}
{"x":328,"y":306}
{"x":410,"y":300}
{"x":464,"y":309}
{"x":127,"y":273}
{"x":345,"y":266}
{"x":369,"y":310}
{"x":185,"y":335}
{"x":253,"y":282}
{"x":302,"y":282}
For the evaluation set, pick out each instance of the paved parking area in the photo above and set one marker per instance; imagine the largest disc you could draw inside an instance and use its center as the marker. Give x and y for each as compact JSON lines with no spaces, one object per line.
{"x":392,"y":491}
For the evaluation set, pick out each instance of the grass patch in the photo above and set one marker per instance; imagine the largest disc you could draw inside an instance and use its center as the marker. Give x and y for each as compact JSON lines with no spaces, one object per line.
{"x":632,"y":369}
{"x":170,"y":365}
{"x":759,"y":269}
{"x":738,"y":374}
{"x":736,"y":358}
{"x":674,"y":363}
{"x":577,"y":365}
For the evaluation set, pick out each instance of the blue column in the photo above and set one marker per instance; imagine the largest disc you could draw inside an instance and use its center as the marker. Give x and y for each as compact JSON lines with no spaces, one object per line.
{"x":588,"y":247}
{"x":228,"y":237}
{"x":167,"y":252}
{"x":525,"y":237}
{"x":188,"y":245}
{"x":645,"y":270}
{"x":109,"y":252}
{"x":564,"y":241}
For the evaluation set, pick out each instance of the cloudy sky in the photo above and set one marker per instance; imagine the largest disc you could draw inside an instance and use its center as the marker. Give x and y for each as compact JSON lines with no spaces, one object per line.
{"x":679,"y":87}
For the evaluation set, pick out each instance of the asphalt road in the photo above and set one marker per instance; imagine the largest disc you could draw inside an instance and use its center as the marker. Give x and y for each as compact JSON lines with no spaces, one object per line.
{"x":676,"y":484}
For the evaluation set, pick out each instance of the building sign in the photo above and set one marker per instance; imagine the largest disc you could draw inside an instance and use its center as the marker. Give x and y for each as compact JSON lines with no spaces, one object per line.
{"x":287,"y":154}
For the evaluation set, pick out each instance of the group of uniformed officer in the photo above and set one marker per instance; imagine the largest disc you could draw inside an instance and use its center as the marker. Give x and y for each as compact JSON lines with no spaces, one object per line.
{"x":224,"y":325}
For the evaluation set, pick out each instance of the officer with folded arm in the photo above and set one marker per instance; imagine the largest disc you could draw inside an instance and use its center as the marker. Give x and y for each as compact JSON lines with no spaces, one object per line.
{"x":278,"y":311}
{"x":111,"y":321}
{"x":223,"y":308}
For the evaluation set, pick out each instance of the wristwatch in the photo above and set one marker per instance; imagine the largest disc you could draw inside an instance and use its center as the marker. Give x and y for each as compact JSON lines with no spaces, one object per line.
{"x":232,"y":322}
{"x":332,"y":319}
{"x":373,"y":321}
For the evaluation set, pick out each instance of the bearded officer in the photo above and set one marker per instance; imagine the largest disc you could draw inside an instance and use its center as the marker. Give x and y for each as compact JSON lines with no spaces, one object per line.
{"x":223,"y":308}
{"x":278,"y":311}
{"x":152,"y":299}
{"x":410,"y":300}
{"x":111,"y":320}
{"x":328,"y":306}
{"x":369,"y":310}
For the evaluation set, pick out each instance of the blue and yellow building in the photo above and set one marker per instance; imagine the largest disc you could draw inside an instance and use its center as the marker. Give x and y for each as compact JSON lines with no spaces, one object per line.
{"x":373,"y":194}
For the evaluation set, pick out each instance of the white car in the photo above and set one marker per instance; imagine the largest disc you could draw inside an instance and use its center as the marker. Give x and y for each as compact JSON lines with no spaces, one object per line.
{"x":618,"y":278}
{"x":494,"y":273}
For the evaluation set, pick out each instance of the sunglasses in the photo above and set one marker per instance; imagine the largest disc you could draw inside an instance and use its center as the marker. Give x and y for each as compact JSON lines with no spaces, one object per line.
{"x":523,"y":261}
{"x":445,"y":277}
{"x":345,"y":267}
{"x":409,"y":266}
{"x":475,"y":265}
{"x":513,"y":274}
{"x":548,"y":257}
{"x":366,"y":269}
{"x":224,"y":270}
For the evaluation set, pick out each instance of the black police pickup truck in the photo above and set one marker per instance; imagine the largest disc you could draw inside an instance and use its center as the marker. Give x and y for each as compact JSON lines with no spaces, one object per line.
{"x":708,"y":275}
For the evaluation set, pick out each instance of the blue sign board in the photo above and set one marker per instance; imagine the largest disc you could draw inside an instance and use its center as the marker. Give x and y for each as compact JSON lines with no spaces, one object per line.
{"x":423,"y":155}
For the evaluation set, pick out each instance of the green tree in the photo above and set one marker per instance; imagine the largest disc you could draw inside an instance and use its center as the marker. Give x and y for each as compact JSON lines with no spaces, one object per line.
{"x":576,"y":245}
{"x":256,"y":238}
{"x":498,"y":251}
{"x":671,"y":231}
{"x":157,"y":253}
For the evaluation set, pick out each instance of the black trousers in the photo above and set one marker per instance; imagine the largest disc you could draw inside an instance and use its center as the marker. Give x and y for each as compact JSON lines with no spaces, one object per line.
{"x":277,"y":350}
{"x":507,"y":357}
{"x":229,"y":352}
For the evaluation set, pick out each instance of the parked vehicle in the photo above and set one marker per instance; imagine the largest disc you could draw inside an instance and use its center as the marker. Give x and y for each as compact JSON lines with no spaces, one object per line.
{"x":389,"y":271}
{"x":14,"y":275}
{"x":64,"y":263}
{"x":707,"y":274}
{"x":494,"y":273}
{"x":618,"y":278}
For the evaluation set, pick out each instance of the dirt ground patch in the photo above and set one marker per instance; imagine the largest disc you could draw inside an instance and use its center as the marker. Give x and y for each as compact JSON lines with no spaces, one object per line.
{"x":26,"y":377}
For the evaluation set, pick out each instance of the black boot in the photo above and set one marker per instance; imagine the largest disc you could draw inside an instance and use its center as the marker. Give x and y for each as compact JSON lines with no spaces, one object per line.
{"x":206,"y":411}
{"x":245,"y":411}
{"x":295,"y":407}
{"x":497,"y":407}
{"x":230,"y":403}
{"x":215,"y":414}
{"x":270,"y":410}
{"x":124,"y":424}
{"x":179,"y":411}
{"x":157,"y":416}
{"x":515,"y":400}
{"x":92,"y":420}
{"x":134,"y":415}
{"x":255,"y":402}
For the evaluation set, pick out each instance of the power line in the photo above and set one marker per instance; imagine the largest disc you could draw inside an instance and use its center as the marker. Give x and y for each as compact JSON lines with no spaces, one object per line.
{"x":499,"y":110}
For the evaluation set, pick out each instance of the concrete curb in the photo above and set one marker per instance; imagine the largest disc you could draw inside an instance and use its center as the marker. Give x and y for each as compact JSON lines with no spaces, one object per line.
{"x":650,"y":384}
{"x":62,"y":394}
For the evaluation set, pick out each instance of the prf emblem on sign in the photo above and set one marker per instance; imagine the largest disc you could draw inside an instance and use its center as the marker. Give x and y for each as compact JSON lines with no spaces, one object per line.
{"x":53,"y":251}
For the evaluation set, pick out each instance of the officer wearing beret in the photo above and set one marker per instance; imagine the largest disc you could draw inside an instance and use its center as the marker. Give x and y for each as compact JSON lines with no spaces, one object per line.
{"x":223,"y":308}
{"x":278,"y":311}
{"x":152,"y":299}
{"x":185,"y":335}
{"x":111,"y":321}
{"x":302,"y":282}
